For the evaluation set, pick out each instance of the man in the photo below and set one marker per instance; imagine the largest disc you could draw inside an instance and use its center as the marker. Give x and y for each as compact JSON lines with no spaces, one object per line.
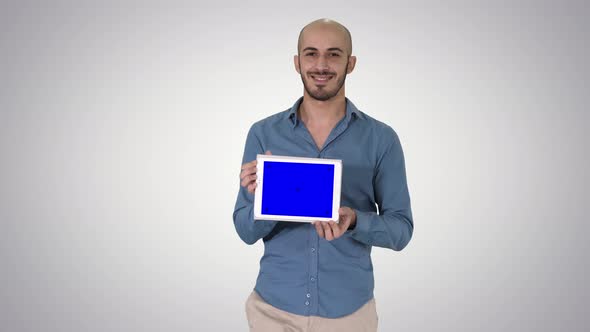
{"x":319,"y":276}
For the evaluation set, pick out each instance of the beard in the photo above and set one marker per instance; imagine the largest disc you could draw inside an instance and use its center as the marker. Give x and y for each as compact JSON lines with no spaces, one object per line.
{"x":323,"y":94}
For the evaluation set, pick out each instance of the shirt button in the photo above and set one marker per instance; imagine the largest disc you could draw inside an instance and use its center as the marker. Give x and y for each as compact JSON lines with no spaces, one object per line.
{"x":306,"y":302}
{"x":308,"y":295}
{"x":312,"y":249}
{"x":312,"y":279}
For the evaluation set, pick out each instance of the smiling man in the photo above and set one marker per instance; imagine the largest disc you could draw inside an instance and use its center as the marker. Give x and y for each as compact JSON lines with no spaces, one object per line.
{"x":324,"y":80}
{"x":319,"y":276}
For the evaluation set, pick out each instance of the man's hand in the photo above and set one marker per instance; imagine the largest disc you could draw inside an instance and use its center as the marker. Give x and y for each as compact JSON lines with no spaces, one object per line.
{"x":331,"y":230}
{"x":248,"y":175}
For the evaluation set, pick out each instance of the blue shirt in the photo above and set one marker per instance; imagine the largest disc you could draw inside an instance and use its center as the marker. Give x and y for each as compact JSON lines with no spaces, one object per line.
{"x":301,"y":272}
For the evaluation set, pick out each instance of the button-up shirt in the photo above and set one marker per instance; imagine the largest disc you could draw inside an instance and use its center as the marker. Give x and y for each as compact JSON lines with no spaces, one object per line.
{"x":300,"y":272}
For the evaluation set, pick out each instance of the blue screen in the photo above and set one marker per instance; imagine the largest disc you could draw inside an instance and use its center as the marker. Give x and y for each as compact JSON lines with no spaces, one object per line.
{"x":298,"y":189}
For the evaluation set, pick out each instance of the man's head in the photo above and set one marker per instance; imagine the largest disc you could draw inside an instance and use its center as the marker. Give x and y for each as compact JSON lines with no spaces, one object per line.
{"x":324,"y":58}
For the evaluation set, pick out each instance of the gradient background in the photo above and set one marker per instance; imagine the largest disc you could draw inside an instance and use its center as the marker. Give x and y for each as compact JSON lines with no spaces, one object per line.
{"x":121,"y":136}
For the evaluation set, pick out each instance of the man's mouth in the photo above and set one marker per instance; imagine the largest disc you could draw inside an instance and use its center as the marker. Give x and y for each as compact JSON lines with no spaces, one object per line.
{"x":321,"y":78}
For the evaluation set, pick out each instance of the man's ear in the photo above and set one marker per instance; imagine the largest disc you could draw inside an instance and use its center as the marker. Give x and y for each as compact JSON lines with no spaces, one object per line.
{"x":296,"y":61}
{"x":351,"y":64}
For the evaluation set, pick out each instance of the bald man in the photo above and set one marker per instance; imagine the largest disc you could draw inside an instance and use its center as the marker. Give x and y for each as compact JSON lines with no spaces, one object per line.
{"x":319,"y":276}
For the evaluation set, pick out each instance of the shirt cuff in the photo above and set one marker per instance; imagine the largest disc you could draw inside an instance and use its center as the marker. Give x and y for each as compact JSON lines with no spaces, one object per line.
{"x":263,"y":225}
{"x":361,"y":230}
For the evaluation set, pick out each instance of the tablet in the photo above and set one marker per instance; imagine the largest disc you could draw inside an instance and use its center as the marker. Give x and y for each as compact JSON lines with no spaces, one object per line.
{"x":297,"y":189}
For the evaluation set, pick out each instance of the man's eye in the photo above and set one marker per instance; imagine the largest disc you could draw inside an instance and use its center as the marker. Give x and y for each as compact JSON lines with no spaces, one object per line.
{"x":334,"y":54}
{"x":310,"y":54}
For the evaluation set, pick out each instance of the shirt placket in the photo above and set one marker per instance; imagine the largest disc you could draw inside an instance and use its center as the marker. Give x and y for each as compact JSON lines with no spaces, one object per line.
{"x":311,"y":297}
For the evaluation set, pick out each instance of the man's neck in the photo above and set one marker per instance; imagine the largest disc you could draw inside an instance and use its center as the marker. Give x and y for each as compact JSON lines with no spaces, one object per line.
{"x":322,"y":113}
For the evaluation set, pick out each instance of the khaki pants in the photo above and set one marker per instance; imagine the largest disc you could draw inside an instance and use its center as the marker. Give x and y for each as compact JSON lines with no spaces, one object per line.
{"x":262,"y":317}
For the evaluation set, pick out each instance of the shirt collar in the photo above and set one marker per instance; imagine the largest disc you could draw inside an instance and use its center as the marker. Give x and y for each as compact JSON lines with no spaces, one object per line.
{"x":351,"y":111}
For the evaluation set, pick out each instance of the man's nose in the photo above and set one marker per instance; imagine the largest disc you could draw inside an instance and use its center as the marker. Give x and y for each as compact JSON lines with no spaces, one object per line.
{"x":322,"y":63}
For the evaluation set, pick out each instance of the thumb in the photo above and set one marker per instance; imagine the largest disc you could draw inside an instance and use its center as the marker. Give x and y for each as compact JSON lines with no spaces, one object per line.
{"x":268,"y":153}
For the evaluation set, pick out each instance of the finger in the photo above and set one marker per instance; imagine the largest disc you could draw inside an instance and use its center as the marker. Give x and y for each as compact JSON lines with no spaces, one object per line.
{"x":249,"y":165}
{"x":335,"y":229}
{"x":328,"y":231}
{"x":248,"y":180}
{"x":319,"y":228}
{"x":252,"y":187}
{"x":268,"y":153}
{"x":248,"y":171}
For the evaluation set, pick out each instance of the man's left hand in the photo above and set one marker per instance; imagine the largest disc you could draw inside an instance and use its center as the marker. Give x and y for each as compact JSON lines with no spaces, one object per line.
{"x":331,"y":230}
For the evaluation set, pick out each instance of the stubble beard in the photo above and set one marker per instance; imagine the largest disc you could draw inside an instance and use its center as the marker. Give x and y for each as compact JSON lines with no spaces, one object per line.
{"x":321,"y":94}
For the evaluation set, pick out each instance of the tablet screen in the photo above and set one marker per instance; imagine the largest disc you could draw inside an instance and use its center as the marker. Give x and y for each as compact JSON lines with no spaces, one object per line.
{"x":298,"y":189}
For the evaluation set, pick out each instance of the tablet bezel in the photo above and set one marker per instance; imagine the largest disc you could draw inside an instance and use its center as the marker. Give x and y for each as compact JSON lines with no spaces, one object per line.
{"x":258,"y":193}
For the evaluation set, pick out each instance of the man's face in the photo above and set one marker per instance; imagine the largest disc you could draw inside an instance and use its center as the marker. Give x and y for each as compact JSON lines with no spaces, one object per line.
{"x":323,"y":62}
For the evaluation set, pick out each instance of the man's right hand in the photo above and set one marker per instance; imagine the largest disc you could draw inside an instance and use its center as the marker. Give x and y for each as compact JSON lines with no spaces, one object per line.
{"x":248,"y":175}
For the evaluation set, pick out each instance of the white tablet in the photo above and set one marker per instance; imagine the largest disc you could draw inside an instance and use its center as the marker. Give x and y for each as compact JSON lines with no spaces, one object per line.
{"x":297,"y":189}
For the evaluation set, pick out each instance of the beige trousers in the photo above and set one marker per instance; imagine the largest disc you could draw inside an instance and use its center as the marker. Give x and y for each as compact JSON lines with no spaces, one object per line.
{"x":262,"y":317}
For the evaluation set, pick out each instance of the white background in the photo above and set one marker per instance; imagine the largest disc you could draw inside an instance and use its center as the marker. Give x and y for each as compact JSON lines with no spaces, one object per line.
{"x":122,"y":130}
